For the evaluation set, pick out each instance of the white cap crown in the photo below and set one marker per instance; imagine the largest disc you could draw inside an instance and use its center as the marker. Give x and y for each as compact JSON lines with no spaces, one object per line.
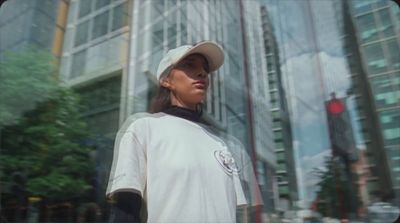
{"x":210,"y":50}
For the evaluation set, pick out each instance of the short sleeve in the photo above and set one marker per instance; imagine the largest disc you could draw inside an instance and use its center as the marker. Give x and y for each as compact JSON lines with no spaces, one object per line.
{"x":249,"y":181}
{"x":249,"y":185}
{"x":129,"y":167}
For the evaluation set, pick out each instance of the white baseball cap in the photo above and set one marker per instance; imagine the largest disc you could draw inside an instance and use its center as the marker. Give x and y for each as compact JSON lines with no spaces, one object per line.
{"x":210,"y":50}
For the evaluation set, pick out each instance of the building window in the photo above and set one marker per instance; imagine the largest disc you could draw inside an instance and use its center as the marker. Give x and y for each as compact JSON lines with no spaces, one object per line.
{"x":100,"y":21}
{"x":384,"y":93}
{"x":281,"y":167}
{"x":120,"y":16}
{"x":395,"y":13}
{"x":282,"y":178}
{"x":101,"y":95}
{"x":390,"y":134}
{"x":376,"y":62}
{"x":101,"y":101}
{"x":394,"y":54}
{"x":78,"y":63}
{"x":85,"y":7}
{"x":274,"y":96}
{"x":280,"y":156}
{"x":274,"y":104}
{"x":158,"y":9}
{"x":390,"y":127}
{"x":100,"y":25}
{"x":394,"y":155}
{"x":362,"y":6}
{"x":272,"y":85}
{"x":380,"y":4}
{"x":396,"y":80}
{"x":102,"y":3}
{"x":275,"y":115}
{"x":172,"y":35}
{"x":386,"y":27}
{"x":276,"y":124}
{"x":157,"y":34}
{"x":278,"y":135}
{"x":367,"y":26}
{"x":183,"y":32}
{"x":81,"y":34}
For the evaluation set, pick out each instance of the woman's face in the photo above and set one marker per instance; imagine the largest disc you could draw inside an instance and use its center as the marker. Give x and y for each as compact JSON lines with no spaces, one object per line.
{"x":188,"y":81}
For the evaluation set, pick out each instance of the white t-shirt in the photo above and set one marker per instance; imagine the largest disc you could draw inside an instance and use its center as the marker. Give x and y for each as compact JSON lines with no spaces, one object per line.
{"x":184,"y":172}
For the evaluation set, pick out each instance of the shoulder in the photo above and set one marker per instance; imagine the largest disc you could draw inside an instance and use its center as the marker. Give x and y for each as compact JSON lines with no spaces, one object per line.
{"x":137,"y":126}
{"x":228,"y":138}
{"x":139,"y":120}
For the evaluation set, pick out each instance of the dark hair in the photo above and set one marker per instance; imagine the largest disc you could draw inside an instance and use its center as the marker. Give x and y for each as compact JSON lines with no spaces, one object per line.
{"x":161,"y":101}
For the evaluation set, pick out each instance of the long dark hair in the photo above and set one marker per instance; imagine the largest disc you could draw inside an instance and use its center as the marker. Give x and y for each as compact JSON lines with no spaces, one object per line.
{"x":161,"y":101}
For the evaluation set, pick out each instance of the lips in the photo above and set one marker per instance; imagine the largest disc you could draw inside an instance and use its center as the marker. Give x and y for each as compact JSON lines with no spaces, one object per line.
{"x":200,"y":84}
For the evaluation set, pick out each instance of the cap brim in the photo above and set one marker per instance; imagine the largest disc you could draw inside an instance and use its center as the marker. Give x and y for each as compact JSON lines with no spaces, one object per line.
{"x":211,"y":51}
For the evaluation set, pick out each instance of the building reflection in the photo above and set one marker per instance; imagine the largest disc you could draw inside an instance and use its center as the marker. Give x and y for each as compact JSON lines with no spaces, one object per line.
{"x":285,"y":173}
{"x":371,"y":41}
{"x":283,"y":61}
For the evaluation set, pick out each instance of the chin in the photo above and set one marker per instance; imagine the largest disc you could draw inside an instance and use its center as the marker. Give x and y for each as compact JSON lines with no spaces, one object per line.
{"x":196,"y":100}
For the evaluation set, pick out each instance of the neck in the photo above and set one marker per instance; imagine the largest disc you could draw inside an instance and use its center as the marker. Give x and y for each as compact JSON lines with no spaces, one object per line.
{"x":179,"y":103}
{"x":186,"y":113}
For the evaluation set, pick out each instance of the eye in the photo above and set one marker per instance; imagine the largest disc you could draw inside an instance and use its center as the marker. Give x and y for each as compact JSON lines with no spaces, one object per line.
{"x":188,"y":65}
{"x":206,"y":69}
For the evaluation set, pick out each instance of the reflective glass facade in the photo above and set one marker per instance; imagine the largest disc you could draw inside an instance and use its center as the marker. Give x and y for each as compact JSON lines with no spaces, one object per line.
{"x":33,"y":23}
{"x":285,"y":173}
{"x":378,"y":30}
{"x":311,"y":89}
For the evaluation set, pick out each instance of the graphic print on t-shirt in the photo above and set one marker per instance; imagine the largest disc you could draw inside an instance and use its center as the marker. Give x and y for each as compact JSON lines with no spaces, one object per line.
{"x":227,"y":162}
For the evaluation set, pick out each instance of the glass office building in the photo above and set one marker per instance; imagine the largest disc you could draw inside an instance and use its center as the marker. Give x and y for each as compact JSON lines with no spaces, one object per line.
{"x":376,"y":30}
{"x":94,"y":59}
{"x":94,"y":64}
{"x":284,"y":62}
{"x":320,"y":54}
{"x":285,"y":173}
{"x":33,"y":23}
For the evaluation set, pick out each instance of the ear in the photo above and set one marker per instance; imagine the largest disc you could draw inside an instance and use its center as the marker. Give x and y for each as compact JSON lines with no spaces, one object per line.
{"x":165,"y":83}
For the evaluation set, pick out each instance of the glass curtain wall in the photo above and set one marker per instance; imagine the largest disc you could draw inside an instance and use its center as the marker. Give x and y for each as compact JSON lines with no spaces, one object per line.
{"x":310,"y":88}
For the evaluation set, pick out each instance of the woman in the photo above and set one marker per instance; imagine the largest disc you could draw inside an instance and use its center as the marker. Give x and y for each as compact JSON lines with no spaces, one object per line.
{"x":182,"y":170}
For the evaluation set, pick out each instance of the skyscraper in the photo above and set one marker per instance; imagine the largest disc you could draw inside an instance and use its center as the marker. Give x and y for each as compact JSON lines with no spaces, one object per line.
{"x":33,"y":23}
{"x":94,"y":59}
{"x":93,"y":63}
{"x":372,"y":38}
{"x":285,"y":172}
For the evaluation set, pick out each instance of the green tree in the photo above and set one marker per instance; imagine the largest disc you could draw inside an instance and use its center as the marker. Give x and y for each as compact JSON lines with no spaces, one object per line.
{"x":43,"y":142}
{"x":337,"y":196}
{"x":27,"y":77}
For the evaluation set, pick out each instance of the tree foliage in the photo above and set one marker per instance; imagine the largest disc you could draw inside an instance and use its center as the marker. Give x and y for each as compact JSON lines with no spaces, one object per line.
{"x":43,"y":144}
{"x":337,"y":196}
{"x":27,"y":77}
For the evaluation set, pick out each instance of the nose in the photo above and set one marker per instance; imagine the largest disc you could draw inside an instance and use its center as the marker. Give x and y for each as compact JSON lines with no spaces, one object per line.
{"x":203,"y":74}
